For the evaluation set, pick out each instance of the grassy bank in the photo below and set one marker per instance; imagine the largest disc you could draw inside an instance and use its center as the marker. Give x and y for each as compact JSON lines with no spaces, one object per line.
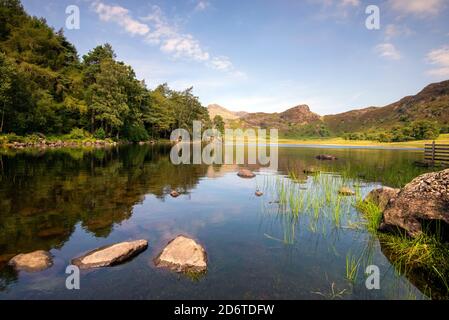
{"x":444,"y":139}
{"x":424,"y":258}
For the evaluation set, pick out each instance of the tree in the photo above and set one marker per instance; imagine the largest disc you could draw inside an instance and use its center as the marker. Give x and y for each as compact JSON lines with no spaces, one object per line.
{"x":424,"y":129}
{"x":219,"y":123}
{"x":6,"y":79}
{"x":107,"y":98}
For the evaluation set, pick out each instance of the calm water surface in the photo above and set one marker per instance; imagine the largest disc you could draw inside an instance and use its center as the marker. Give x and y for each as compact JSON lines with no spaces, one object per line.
{"x":72,"y":201}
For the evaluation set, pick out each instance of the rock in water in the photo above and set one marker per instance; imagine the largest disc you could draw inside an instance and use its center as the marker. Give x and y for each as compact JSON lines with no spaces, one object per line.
{"x":382,"y":196}
{"x":424,"y":201}
{"x":311,"y":170}
{"x":110,"y":255}
{"x":326,"y":157}
{"x":345,"y":191}
{"x":174,"y":194}
{"x":245,"y":173}
{"x":183,"y":254}
{"x":32,"y":262}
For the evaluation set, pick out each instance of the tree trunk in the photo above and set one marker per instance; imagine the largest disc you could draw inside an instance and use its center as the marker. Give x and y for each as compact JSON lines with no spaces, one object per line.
{"x":3,"y":117}
{"x":92,"y":121}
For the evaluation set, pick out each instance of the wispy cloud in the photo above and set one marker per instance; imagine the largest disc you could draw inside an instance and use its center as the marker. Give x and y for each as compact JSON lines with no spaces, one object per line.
{"x":394,"y":31}
{"x":335,"y":9}
{"x":120,"y":16}
{"x":440,"y":59}
{"x":420,"y":8}
{"x":202,"y":5}
{"x":156,"y":29}
{"x":388,"y":51}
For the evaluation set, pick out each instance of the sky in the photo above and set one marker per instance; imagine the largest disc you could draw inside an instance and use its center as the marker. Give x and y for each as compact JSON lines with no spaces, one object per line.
{"x":269,"y":55}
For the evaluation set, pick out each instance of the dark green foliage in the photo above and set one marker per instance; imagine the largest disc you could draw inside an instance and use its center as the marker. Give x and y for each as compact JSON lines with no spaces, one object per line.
{"x":45,"y":87}
{"x":418,"y":130}
{"x":136,"y":133}
{"x":100,"y":134}
{"x":312,"y":130}
{"x":219,"y":123}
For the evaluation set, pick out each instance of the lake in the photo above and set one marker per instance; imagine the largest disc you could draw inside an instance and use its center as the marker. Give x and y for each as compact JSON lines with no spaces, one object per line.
{"x":70,"y":201}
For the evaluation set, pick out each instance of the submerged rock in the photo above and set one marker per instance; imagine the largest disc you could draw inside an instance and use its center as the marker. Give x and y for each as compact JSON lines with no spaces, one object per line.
{"x":183,"y":254}
{"x":326,"y":157}
{"x":424,"y":202}
{"x":346,"y":191}
{"x":32,"y":262}
{"x":245,"y":173}
{"x":174,"y":194}
{"x":382,"y":196}
{"x":110,"y":255}
{"x":311,"y":170}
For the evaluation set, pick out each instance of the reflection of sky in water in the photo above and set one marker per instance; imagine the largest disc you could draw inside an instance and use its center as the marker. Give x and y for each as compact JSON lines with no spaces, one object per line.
{"x":244,"y":241}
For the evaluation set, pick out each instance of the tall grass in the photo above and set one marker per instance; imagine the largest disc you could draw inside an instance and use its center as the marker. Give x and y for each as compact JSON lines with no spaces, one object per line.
{"x":426,"y":253}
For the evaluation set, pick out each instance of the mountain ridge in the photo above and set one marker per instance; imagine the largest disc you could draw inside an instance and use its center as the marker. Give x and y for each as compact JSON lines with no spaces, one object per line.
{"x":431,"y":103}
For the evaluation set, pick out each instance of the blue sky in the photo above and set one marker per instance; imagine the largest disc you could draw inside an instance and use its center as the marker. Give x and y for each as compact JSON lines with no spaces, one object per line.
{"x":269,"y":55}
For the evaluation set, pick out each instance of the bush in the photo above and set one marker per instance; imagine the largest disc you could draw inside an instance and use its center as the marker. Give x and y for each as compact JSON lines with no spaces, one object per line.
{"x":444,"y":129}
{"x":100,"y":134}
{"x":136,"y":133}
{"x":425,"y":129}
{"x":78,"y":134}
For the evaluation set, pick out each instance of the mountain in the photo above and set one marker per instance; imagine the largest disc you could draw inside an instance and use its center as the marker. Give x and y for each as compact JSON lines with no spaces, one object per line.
{"x":296,"y":116}
{"x":215,"y":109}
{"x":432,"y":103}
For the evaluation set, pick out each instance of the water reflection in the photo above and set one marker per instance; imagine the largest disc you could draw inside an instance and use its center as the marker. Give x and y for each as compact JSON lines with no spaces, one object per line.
{"x":46,"y":195}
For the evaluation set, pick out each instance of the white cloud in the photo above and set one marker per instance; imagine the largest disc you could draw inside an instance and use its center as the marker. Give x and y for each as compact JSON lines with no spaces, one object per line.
{"x":393,"y":31}
{"x":440,"y":59}
{"x":202,"y":5}
{"x":419,"y":8}
{"x":354,"y":3}
{"x":388,"y":51}
{"x":157,"y":30}
{"x":120,"y":16}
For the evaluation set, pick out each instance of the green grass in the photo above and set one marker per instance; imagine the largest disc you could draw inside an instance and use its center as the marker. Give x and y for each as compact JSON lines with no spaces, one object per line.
{"x":426,"y":253}
{"x":352,"y":267}
{"x":443,"y":138}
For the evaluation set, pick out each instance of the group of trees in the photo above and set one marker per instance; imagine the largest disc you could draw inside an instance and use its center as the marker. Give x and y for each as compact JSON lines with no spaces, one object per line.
{"x":45,"y":87}
{"x":418,"y":130}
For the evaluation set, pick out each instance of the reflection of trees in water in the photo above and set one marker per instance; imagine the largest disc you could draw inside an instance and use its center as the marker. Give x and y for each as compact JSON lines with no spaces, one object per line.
{"x":44,"y":195}
{"x":389,"y":167}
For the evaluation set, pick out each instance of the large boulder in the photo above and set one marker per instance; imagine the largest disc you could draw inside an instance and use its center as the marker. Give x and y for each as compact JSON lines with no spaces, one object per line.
{"x":110,"y":255}
{"x":382,"y":196}
{"x":424,"y":202}
{"x":32,"y":262}
{"x":183,"y":254}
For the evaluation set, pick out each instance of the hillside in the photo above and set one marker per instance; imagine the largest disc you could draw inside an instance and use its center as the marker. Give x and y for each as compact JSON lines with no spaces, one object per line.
{"x":215,"y":109}
{"x":432,"y":104}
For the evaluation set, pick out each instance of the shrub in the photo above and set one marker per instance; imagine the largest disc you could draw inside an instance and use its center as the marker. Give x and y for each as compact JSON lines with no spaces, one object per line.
{"x":100,"y":134}
{"x":78,"y":134}
{"x":136,"y":133}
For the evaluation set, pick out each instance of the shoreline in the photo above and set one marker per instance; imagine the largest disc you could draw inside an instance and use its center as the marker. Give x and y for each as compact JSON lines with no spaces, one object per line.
{"x":28,"y":142}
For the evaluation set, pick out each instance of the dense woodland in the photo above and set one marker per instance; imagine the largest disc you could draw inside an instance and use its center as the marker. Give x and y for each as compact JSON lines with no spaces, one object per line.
{"x":45,"y":87}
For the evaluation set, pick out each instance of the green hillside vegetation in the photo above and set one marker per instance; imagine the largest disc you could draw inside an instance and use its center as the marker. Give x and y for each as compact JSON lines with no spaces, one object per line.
{"x":46,"y":88}
{"x":421,"y":117}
